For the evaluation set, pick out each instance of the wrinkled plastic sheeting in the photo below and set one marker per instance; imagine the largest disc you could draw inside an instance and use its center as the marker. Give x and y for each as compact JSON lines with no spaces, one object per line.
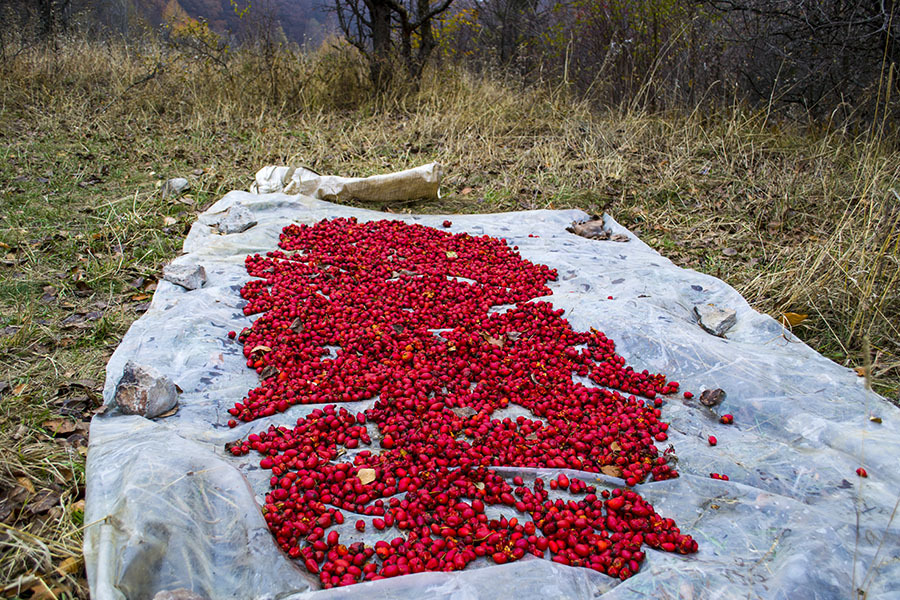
{"x":169,"y":508}
{"x":411,"y":184}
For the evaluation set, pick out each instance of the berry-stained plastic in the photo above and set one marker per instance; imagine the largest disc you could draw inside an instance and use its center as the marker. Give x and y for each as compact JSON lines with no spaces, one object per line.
{"x":170,"y":507}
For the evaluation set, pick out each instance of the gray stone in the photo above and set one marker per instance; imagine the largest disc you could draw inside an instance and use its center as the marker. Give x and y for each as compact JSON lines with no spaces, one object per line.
{"x":175,"y":187}
{"x":179,"y":594}
{"x":715,"y":320}
{"x":238,"y":218}
{"x":145,"y":391}
{"x":187,"y":276}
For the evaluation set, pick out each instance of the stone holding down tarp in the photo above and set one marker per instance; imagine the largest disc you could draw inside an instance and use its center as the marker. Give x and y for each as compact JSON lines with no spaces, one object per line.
{"x":169,"y":509}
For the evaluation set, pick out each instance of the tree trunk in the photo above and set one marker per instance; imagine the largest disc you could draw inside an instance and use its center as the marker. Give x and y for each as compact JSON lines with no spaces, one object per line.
{"x":380,"y":69}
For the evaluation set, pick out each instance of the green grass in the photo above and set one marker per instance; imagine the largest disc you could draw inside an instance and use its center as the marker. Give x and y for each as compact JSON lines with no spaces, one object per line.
{"x":811,"y":215}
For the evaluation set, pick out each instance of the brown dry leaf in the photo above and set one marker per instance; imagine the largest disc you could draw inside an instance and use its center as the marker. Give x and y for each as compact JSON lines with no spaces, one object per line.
{"x":366,"y":476}
{"x":139,"y":297}
{"x":615,"y":447}
{"x":167,"y":413}
{"x":611,"y":470}
{"x":712,"y":398}
{"x":69,"y":566}
{"x":59,"y":426}
{"x":464,"y":412}
{"x":45,"y":500}
{"x":297,"y":325}
{"x":620,"y":237}
{"x":498,"y":342}
{"x":875,"y":419}
{"x":729,"y":252}
{"x":40,"y":591}
{"x":26,"y":483}
{"x":792,"y":319}
{"x":268,"y":371}
{"x":169,"y":221}
{"x":19,"y":389}
{"x":260,"y":348}
{"x":479,"y":485}
{"x":861,"y":371}
{"x":466,"y":191}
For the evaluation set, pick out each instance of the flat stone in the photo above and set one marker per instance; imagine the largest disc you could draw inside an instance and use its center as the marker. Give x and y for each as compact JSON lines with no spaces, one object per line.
{"x":238,"y":218}
{"x":187,"y":276}
{"x":145,"y":391}
{"x":715,"y":320}
{"x":174,"y":187}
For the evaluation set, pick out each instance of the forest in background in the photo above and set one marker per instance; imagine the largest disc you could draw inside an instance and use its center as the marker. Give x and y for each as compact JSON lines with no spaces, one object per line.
{"x":824,"y":62}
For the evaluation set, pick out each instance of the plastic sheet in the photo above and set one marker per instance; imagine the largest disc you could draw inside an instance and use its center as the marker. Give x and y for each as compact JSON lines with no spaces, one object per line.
{"x":168,"y":508}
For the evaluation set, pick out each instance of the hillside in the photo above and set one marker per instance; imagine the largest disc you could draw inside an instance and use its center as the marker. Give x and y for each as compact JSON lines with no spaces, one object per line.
{"x":300,"y":20}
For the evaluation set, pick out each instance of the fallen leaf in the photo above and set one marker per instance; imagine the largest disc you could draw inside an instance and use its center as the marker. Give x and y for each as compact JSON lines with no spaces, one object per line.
{"x":451,"y":254}
{"x":167,"y":413}
{"x":68,"y":566}
{"x":169,"y":221}
{"x":45,"y":500}
{"x":139,"y":297}
{"x":19,"y":389}
{"x":615,"y":447}
{"x":268,"y":371}
{"x":620,"y":237}
{"x":712,"y":397}
{"x":260,"y":348}
{"x":59,"y":426}
{"x":464,"y":411}
{"x":593,"y":229}
{"x":875,"y":419}
{"x":729,"y":252}
{"x":26,"y":483}
{"x":491,"y":340}
{"x":792,"y":319}
{"x":366,"y":476}
{"x":611,"y":470}
{"x":466,"y":191}
{"x":479,"y":485}
{"x":860,"y":371}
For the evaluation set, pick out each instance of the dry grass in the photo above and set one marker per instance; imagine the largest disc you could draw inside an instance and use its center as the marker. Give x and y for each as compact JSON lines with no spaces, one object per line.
{"x":809,"y":218}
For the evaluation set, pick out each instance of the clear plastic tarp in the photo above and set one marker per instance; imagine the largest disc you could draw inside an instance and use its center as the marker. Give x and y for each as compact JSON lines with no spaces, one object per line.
{"x":169,"y":509}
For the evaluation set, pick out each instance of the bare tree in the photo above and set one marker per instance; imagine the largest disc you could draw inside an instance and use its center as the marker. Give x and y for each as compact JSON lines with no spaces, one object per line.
{"x":814,"y":53}
{"x":378,"y":27}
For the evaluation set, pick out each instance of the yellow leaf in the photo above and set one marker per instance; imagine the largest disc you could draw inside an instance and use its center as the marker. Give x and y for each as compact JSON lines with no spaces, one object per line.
{"x":19,"y":389}
{"x":366,"y":476}
{"x":861,"y":371}
{"x":69,"y":565}
{"x":792,"y":319}
{"x":26,"y":483}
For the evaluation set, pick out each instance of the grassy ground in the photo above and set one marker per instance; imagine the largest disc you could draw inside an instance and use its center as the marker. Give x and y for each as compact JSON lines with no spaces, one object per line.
{"x":798,"y":220}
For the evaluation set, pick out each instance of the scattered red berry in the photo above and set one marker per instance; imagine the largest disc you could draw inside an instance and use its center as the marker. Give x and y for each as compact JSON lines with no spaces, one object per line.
{"x":712,"y":440}
{"x":688,"y":395}
{"x":232,"y":334}
{"x":719,"y":476}
{"x":862,"y":472}
{"x":726,"y":419}
{"x":447,"y":223}
{"x":377,"y":291}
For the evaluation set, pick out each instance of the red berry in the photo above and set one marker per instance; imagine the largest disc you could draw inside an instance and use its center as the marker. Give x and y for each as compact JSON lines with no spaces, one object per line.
{"x":712,"y":440}
{"x":862,"y":472}
{"x":726,"y":419}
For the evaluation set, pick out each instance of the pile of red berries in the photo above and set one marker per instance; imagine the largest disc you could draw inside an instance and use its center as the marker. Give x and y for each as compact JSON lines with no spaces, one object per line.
{"x":409,"y":310}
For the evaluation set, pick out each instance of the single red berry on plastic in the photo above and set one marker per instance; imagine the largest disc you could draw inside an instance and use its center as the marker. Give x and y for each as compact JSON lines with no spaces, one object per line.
{"x":688,"y":395}
{"x":447,"y":223}
{"x":862,"y":472}
{"x":232,"y":423}
{"x":232,"y":334}
{"x":726,"y":419}
{"x":712,"y":440}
